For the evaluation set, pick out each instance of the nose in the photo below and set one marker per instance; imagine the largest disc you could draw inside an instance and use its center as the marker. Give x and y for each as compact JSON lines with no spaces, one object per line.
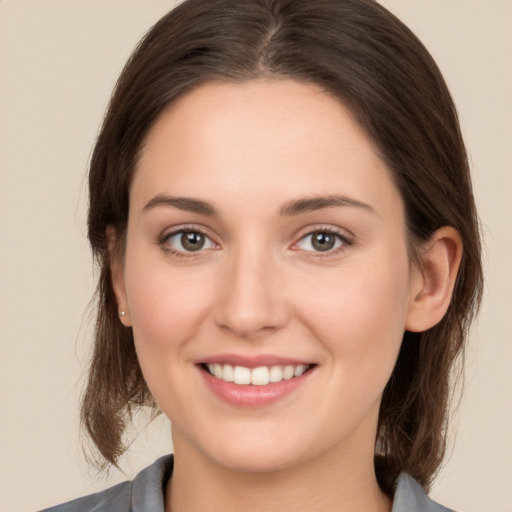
{"x":251,"y":299}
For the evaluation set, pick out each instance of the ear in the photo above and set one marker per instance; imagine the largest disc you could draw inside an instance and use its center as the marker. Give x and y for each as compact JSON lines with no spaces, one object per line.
{"x":431,"y":293}
{"x":117,"y":273}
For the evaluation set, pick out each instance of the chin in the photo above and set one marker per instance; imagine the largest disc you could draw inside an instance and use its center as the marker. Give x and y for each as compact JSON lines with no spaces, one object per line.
{"x":261,"y":453}
{"x":256,"y":461}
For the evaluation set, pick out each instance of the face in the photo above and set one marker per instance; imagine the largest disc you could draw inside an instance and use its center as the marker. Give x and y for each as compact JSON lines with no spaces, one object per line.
{"x":266,"y":275}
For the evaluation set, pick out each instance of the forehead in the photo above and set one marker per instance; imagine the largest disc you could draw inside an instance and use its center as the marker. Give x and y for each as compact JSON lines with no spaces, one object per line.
{"x":260,"y":138}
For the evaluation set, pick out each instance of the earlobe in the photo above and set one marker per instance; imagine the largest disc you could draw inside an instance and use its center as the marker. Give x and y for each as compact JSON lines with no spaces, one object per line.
{"x":432,"y":294}
{"x":116,"y":271}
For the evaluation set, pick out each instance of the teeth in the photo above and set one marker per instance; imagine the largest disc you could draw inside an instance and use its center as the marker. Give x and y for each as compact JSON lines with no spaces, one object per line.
{"x":260,"y":376}
{"x":241,"y":375}
{"x":288,"y":372}
{"x":299,"y":370}
{"x":276,"y":374}
{"x":228,"y":373}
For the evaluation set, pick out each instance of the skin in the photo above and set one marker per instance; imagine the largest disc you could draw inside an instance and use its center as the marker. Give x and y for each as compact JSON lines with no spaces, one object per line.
{"x":259,"y":287}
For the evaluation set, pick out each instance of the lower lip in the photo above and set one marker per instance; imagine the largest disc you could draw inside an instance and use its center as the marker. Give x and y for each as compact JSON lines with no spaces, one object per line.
{"x":253,"y":396}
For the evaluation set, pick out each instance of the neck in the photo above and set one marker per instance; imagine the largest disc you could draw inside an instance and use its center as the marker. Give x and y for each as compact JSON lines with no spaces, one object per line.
{"x":327,"y":482}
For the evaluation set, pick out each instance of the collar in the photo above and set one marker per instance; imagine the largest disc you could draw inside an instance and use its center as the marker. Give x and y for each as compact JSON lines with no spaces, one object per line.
{"x":148,"y":490}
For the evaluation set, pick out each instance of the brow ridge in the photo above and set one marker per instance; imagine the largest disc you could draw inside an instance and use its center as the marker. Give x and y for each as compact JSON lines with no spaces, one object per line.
{"x":183,"y":203}
{"x":291,"y":208}
{"x":308,"y":204}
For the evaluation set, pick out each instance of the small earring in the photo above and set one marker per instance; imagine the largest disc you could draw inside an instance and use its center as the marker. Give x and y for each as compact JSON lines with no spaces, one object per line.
{"x":122,"y":313}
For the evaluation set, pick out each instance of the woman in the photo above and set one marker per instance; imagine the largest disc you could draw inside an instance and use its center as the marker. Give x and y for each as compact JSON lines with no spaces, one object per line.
{"x":281,"y":208}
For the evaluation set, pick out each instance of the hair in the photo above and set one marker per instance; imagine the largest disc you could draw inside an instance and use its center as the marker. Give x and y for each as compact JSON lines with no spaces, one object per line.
{"x":358,"y":52}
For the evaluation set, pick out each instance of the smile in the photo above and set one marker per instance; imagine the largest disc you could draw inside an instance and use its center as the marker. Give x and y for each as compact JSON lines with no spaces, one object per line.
{"x":259,"y":376}
{"x":254,"y":381}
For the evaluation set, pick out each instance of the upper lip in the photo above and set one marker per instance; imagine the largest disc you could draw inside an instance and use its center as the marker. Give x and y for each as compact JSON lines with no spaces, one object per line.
{"x":253,"y":361}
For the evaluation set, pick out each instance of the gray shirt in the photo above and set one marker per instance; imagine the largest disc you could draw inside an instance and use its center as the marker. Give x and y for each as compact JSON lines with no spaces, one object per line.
{"x":146,"y":494}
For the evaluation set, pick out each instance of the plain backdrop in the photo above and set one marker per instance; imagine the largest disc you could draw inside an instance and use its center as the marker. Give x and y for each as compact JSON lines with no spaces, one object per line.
{"x":59,"y":60}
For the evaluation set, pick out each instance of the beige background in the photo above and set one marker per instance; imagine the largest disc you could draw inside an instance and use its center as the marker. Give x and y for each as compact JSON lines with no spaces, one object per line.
{"x":58,"y":64}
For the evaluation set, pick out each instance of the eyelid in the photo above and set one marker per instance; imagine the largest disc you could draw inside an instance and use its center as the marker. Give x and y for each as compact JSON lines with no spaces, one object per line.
{"x":170,"y":232}
{"x":347,"y":238}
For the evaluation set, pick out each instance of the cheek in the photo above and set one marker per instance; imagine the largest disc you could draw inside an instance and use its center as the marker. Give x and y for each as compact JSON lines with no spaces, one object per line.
{"x":165,"y":307}
{"x":359,"y":315}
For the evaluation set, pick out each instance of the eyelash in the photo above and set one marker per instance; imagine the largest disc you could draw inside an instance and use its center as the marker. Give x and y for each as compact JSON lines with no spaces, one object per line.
{"x":345,"y":240}
{"x":342,"y":237}
{"x":164,"y":239}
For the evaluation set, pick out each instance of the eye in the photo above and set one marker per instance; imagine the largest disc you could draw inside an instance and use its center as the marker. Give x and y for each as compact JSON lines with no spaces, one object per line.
{"x":188,"y":241}
{"x":321,"y":241}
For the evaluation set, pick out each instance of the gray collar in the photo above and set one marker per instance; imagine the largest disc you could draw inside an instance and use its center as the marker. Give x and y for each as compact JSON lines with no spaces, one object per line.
{"x":148,"y":491}
{"x":410,"y":497}
{"x":146,"y":494}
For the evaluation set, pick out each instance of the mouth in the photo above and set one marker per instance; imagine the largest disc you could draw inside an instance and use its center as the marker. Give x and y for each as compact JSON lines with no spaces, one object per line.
{"x":258,"y":376}
{"x":254,"y":381}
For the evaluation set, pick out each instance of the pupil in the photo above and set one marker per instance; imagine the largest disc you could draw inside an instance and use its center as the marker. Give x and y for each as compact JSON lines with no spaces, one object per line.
{"x":192,"y":241}
{"x":323,"y":241}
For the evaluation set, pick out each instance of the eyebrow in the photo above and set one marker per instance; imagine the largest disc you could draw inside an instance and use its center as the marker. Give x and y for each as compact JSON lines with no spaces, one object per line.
{"x":295,"y":207}
{"x":183,"y":203}
{"x":308,"y":204}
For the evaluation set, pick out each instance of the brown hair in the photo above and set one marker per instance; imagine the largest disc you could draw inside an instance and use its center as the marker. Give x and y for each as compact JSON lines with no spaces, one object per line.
{"x":363,"y":55}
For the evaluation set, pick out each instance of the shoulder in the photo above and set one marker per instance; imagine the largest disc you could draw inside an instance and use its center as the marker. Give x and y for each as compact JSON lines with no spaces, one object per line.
{"x":410,"y":497}
{"x":115,"y":498}
{"x":145,"y":492}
